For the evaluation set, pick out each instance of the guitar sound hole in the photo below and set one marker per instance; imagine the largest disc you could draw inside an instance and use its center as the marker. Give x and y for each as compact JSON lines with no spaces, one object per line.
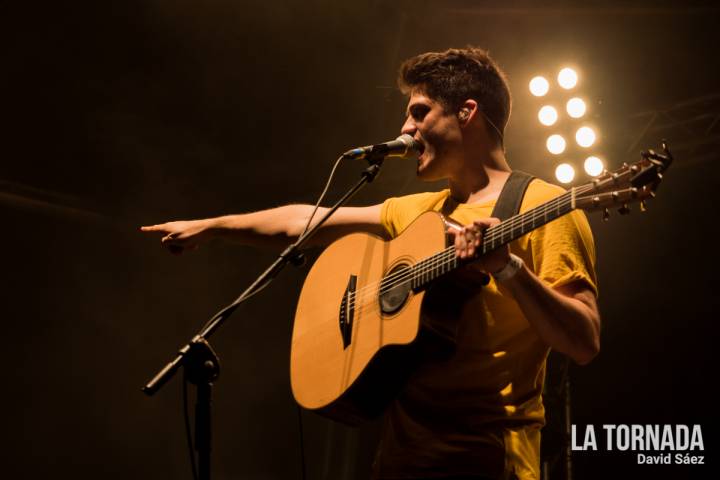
{"x":394,"y":290}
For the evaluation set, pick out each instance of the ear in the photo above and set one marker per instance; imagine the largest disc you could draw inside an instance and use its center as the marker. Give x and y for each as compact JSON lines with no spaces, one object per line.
{"x":467,"y":112}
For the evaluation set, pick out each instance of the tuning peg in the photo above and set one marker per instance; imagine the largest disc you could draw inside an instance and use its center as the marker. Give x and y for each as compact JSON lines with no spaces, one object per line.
{"x":624,"y":210}
{"x":643,"y":206}
{"x":606,"y":214}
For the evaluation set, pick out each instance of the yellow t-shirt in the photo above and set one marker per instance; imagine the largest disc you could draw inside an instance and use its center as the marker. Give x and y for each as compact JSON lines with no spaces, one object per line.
{"x":480,"y":411}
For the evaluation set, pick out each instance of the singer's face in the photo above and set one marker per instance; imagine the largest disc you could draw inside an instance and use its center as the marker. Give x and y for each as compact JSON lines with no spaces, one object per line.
{"x":438,"y":131}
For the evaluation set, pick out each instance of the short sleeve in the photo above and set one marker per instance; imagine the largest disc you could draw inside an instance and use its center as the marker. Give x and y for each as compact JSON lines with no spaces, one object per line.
{"x":563,"y":251}
{"x":387,"y":213}
{"x":397,"y":213}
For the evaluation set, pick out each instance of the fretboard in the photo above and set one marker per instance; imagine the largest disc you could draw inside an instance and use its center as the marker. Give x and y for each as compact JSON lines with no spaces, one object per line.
{"x":433,"y":267}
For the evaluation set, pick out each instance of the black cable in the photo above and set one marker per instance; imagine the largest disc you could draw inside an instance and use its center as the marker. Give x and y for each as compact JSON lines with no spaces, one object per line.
{"x":302,"y":444}
{"x":322,"y":195}
{"x":303,"y":469}
{"x":188,"y":431}
{"x":241,"y":299}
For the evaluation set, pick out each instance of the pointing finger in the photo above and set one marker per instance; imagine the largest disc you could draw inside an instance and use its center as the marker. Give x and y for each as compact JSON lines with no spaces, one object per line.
{"x":153,"y":228}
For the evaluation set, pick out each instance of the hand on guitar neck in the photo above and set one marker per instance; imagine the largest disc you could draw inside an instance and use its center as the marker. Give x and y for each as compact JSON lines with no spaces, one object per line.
{"x":469,"y":238}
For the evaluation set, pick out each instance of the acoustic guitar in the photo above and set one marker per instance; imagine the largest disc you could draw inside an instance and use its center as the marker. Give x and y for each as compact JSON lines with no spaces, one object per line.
{"x":359,"y":325}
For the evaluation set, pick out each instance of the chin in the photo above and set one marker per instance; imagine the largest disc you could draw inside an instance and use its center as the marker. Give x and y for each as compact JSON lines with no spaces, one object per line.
{"x":424,"y":169}
{"x":428,"y":169}
{"x":421,"y":172}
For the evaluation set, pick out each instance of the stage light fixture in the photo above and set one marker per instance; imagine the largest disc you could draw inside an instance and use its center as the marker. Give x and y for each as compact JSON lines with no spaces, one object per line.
{"x":565,"y":173}
{"x":539,"y":86}
{"x":576,"y":107}
{"x":567,"y":78}
{"x":594,"y":166}
{"x":556,"y":144}
{"x":585,"y":136}
{"x":548,"y":115}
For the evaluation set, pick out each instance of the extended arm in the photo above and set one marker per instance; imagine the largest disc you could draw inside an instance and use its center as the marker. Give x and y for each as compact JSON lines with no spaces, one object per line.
{"x":274,"y":228}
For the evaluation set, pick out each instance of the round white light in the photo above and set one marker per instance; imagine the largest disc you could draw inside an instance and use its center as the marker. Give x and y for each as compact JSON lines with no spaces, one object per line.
{"x":556,"y":144}
{"x":576,"y":107}
{"x":539,"y":86}
{"x":585,"y":136}
{"x":567,"y":78}
{"x":594,"y":166}
{"x":565,"y":173}
{"x":547,"y":115}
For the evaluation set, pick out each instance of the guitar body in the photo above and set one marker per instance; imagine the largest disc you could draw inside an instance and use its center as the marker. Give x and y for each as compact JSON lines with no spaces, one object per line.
{"x":352,"y":345}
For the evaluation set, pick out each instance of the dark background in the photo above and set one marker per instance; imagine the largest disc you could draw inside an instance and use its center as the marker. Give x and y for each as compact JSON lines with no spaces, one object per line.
{"x":120,"y":114}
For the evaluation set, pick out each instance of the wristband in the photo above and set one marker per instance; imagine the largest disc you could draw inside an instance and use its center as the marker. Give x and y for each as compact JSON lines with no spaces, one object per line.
{"x":510,"y":269}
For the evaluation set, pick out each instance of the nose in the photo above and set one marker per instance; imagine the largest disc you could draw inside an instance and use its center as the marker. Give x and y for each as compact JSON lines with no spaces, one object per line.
{"x":409,"y":127}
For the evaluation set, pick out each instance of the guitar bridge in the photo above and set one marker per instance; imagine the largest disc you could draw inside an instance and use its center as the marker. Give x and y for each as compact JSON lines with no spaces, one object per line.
{"x":347,"y":311}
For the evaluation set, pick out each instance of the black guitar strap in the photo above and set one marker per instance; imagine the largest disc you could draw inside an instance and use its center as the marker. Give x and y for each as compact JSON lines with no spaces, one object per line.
{"x":507,"y":205}
{"x":511,"y":195}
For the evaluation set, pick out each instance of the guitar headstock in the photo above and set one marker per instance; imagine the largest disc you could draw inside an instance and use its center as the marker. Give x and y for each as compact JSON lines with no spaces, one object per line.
{"x":630,"y":183}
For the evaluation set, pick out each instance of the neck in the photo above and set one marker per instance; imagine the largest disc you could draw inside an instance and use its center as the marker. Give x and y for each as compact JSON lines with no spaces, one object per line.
{"x":480,"y":178}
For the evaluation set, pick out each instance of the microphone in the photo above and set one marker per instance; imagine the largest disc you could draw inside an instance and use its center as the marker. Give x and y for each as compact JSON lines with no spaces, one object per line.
{"x":404,"y":146}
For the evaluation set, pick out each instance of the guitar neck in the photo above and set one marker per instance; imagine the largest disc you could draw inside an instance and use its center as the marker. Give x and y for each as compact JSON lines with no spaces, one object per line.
{"x":435,"y":266}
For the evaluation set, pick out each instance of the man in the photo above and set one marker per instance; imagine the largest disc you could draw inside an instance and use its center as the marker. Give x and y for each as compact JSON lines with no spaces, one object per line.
{"x":478,"y":413}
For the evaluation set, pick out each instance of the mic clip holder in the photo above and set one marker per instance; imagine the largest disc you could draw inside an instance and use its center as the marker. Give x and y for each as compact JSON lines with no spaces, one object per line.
{"x":202,"y":364}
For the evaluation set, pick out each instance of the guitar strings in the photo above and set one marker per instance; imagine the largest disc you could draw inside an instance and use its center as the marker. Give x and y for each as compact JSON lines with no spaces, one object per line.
{"x":441,"y":259}
{"x":429,"y":267}
{"x":448,"y":256}
{"x":432,"y":262}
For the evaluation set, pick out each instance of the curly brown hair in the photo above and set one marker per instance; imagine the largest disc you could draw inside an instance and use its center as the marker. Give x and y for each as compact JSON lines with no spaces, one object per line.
{"x":458,"y":74}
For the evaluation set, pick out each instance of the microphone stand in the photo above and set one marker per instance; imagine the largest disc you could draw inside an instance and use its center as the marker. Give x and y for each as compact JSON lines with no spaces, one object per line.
{"x":200,"y":362}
